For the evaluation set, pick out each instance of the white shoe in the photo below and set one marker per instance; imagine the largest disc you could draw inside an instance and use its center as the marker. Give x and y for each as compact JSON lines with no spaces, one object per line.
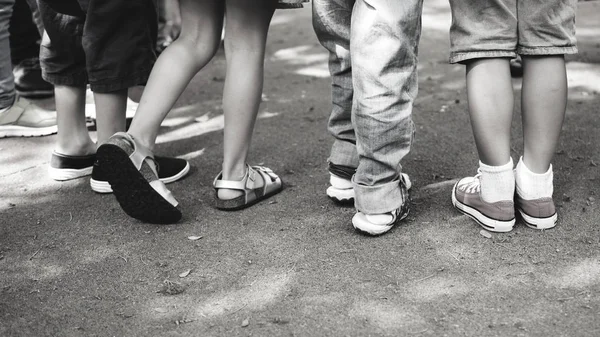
{"x":25,"y":119}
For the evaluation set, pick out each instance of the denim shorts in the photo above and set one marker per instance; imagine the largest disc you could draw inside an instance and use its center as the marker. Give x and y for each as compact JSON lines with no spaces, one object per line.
{"x":106,"y":43}
{"x":505,"y":28}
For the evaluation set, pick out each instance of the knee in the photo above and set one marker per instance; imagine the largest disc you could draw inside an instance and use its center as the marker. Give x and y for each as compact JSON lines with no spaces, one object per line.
{"x":200,"y":45}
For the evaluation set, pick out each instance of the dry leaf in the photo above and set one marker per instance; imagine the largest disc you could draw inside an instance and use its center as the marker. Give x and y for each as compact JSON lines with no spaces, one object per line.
{"x":485,"y":233}
{"x":194,"y":238}
{"x":185,"y":273}
{"x":245,"y":323}
{"x":161,"y":310}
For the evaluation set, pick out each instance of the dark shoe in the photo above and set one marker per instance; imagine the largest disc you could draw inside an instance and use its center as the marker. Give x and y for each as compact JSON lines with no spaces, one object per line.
{"x":537,"y":213}
{"x":29,"y":82}
{"x":63,"y":167}
{"x":169,"y":170}
{"x":377,"y":224}
{"x":130,"y":168}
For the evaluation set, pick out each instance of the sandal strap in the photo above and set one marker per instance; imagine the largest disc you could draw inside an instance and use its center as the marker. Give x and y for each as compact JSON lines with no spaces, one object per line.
{"x":247,"y":182}
{"x":140,"y":154}
{"x":266,"y":173}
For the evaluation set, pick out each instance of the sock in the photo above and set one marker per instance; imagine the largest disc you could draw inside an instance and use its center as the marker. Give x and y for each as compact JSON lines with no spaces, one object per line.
{"x":497,"y":182}
{"x":532,"y":185}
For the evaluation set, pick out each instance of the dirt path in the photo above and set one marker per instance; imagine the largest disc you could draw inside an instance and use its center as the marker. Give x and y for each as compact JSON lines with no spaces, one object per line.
{"x":73,"y":264}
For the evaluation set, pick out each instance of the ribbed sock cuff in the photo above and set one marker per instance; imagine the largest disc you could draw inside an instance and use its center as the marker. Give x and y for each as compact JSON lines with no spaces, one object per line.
{"x":497,"y":182}
{"x":532,"y":185}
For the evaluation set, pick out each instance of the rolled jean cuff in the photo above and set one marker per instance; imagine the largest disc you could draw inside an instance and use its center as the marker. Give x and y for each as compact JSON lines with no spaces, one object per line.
{"x":458,"y":57}
{"x":378,"y":199}
{"x":343,"y":153}
{"x":521,"y":50}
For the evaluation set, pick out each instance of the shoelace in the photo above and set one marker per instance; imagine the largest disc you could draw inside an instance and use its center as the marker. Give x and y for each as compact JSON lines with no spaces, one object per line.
{"x":473,"y":186}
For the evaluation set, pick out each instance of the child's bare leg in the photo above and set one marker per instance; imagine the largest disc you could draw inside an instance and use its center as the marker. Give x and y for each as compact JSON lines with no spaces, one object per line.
{"x":202,"y":22}
{"x":245,"y":41}
{"x":490,"y":93}
{"x":73,"y":138}
{"x":544,"y":101}
{"x":110,"y":114}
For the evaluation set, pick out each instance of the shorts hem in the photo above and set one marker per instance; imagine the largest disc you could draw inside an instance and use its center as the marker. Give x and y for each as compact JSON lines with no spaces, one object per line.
{"x":71,"y":80}
{"x":546,"y":50}
{"x":120,"y":83}
{"x":459,"y":57}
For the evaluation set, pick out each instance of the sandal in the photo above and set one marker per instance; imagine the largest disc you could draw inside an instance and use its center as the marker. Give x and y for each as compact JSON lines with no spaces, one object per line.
{"x":130,"y":168}
{"x":273,"y":185}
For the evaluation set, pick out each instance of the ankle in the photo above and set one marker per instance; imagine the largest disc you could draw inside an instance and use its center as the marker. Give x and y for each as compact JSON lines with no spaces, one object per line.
{"x":531,"y":185}
{"x":234,"y":172}
{"x":497,"y":182}
{"x":76,"y":148}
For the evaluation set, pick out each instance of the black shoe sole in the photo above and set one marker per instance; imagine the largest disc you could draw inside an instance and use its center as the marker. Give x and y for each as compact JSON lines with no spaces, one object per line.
{"x":42,"y":93}
{"x":133,"y":192}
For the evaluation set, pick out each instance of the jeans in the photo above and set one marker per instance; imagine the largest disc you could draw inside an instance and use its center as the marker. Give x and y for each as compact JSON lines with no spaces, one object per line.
{"x":373,"y":47}
{"x":7,"y":81}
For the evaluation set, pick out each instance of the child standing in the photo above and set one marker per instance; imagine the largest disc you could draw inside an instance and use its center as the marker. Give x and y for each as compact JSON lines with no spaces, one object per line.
{"x":128,"y":158}
{"x":484,"y":36}
{"x":110,"y":45}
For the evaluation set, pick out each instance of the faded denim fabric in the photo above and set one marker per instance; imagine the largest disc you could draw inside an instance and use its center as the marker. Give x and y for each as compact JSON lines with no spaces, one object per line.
{"x":384,"y":37}
{"x":331,"y":21}
{"x":505,"y":28}
{"x":7,"y":81}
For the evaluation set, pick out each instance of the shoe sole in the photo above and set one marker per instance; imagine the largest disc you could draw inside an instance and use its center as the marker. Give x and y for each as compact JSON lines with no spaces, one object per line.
{"x":133,"y":192}
{"x":539,"y":223}
{"x":375,"y":230}
{"x":484,"y":221}
{"x":23,"y":131}
{"x":238,"y":203}
{"x":343,"y":196}
{"x":103,"y":187}
{"x":68,"y":174}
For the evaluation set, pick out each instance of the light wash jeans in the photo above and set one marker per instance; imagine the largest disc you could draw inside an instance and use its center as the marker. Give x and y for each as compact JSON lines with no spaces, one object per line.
{"x":373,"y":47}
{"x":7,"y":81}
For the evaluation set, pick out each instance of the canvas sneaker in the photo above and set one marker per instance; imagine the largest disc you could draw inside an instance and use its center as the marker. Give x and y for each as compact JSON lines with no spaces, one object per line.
{"x":537,"y":213}
{"x":169,"y":170}
{"x":495,"y":217}
{"x":25,"y":119}
{"x":340,"y":181}
{"x":64,"y":167}
{"x":377,"y":224}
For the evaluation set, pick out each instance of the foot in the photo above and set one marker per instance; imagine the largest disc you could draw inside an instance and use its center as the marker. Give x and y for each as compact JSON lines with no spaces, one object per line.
{"x":64,"y":167}
{"x":130,"y":169}
{"x":25,"y":119}
{"x":228,"y":194}
{"x":496,"y":217}
{"x":340,"y":181}
{"x":169,"y":170}
{"x":377,"y":224}
{"x":257,"y":184}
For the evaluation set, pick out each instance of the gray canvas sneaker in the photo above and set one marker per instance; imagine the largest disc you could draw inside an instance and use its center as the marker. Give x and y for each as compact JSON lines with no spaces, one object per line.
{"x":495,"y":217}
{"x":537,"y":213}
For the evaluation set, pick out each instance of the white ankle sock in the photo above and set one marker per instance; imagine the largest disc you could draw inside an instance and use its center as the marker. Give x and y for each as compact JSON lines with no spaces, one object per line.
{"x":532,"y":185}
{"x":497,"y":182}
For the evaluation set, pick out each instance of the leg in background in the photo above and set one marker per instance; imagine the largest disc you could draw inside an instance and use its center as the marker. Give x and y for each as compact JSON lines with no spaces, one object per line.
{"x":245,"y":41}
{"x":73,"y":138}
{"x":202,"y":22}
{"x":110,"y":113}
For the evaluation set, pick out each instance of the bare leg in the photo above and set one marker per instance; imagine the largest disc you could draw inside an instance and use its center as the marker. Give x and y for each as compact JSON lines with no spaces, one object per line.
{"x":110,"y":114}
{"x":202,"y":22}
{"x":73,"y":138}
{"x":544,"y":101}
{"x":491,"y":102}
{"x":245,"y":41}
